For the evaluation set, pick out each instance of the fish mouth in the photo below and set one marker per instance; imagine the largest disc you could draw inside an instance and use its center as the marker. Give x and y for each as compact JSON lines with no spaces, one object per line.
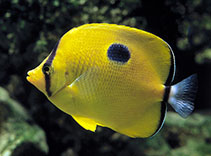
{"x":36,"y":79}
{"x":28,"y":77}
{"x":39,"y":82}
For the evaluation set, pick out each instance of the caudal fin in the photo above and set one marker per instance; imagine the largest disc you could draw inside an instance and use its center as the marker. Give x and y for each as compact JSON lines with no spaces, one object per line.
{"x":182,"y":96}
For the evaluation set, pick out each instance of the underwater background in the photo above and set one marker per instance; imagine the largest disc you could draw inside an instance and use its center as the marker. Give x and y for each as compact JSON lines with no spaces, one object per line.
{"x":31,"y":125}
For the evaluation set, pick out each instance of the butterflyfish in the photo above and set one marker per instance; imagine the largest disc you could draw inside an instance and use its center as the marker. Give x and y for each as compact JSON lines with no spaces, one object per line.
{"x":114,"y":76}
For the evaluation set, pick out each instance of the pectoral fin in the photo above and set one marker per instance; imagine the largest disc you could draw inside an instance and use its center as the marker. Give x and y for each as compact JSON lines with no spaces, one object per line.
{"x":86,"y":123}
{"x":86,"y":88}
{"x":87,"y":84}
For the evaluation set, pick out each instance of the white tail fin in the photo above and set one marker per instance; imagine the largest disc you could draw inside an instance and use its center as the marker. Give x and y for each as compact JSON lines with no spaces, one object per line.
{"x":182,"y":96}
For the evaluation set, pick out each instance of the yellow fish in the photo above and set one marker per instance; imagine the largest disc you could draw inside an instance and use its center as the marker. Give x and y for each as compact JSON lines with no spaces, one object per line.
{"x":114,"y":76}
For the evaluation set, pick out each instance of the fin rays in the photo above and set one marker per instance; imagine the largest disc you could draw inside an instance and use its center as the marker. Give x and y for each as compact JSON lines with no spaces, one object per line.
{"x":182,"y":96}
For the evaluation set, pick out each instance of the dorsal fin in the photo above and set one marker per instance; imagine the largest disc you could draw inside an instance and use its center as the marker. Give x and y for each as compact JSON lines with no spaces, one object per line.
{"x":172,"y":70}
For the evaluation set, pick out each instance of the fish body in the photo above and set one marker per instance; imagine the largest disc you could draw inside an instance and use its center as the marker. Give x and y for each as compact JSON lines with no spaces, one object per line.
{"x":113,"y":76}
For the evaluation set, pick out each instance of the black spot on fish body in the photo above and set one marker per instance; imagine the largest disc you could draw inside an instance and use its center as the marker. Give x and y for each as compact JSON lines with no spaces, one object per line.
{"x":118,"y":52}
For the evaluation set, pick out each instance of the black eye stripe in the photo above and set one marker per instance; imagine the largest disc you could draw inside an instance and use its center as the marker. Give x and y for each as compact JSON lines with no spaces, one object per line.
{"x":48,"y":64}
{"x":52,"y":55}
{"x":118,"y":52}
{"x":48,"y":84}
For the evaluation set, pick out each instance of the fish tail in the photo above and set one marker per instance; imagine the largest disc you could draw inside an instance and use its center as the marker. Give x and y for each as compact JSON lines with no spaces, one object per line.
{"x":182,"y":95}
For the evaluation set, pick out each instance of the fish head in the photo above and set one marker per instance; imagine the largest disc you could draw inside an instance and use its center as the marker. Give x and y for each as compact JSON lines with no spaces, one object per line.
{"x":50,"y":76}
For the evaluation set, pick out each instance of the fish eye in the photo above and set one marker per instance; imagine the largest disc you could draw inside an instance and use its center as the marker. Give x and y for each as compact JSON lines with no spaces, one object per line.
{"x":118,"y":52}
{"x":46,"y":69}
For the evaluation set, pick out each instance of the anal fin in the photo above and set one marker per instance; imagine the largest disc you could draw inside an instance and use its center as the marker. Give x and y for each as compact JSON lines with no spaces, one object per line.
{"x":86,"y":123}
{"x":163,"y":111}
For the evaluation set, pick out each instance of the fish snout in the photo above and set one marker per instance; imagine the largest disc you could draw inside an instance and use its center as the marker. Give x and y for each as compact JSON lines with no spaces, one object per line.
{"x":37,"y":79}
